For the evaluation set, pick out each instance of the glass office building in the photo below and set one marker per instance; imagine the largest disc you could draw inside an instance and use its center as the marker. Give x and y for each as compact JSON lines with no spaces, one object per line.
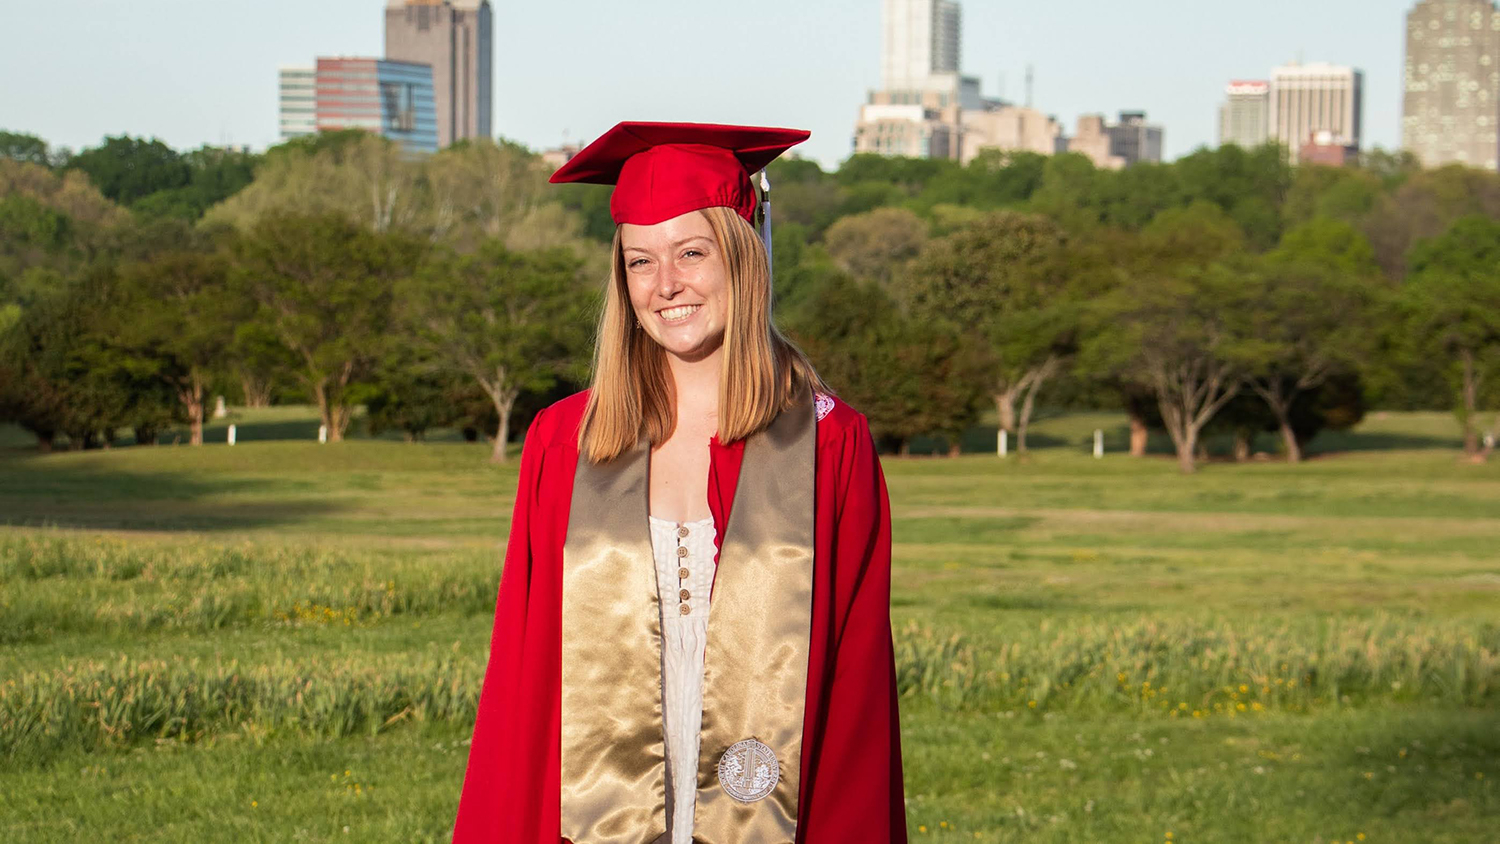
{"x":393,"y":99}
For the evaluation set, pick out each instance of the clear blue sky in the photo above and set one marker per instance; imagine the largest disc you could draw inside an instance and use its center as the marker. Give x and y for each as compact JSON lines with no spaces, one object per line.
{"x":204,"y":71}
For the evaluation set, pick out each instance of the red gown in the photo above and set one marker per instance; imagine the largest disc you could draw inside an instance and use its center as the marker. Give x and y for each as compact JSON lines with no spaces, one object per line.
{"x":851,"y":786}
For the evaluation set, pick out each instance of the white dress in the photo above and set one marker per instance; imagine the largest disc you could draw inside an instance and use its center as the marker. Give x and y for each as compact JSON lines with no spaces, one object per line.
{"x":684,"y":553}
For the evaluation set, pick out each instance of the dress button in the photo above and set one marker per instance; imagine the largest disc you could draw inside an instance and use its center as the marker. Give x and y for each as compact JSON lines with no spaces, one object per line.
{"x":684,"y":595}
{"x":682,"y":551}
{"x":682,"y":574}
{"x":684,"y":609}
{"x":682,"y":531}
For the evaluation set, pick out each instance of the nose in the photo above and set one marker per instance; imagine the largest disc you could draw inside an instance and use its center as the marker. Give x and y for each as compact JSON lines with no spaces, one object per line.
{"x":669,"y":281}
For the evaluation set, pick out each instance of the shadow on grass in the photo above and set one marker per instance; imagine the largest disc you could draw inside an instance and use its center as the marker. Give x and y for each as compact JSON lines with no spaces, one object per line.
{"x":982,"y":439}
{"x":37,"y":492}
{"x":1435,"y":763}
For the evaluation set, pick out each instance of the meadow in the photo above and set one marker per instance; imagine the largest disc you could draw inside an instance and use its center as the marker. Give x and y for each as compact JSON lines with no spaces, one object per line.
{"x":282,"y":641}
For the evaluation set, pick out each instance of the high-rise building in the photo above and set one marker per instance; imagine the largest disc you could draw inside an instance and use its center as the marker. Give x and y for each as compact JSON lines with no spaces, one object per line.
{"x":1245,"y":117}
{"x":1112,"y":146}
{"x":393,"y":99}
{"x":1135,"y":140}
{"x":1313,"y":98}
{"x":1451,"y":112}
{"x":921,"y":38}
{"x":917,"y":109}
{"x":455,"y":38}
{"x":298,"y":102}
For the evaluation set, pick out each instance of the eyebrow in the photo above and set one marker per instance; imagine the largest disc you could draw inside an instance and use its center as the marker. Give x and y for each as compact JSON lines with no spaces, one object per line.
{"x":688,"y":239}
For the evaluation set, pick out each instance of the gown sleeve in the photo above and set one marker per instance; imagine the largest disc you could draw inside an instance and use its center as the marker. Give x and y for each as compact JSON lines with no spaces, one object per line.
{"x":855,"y":777}
{"x":504,"y":793}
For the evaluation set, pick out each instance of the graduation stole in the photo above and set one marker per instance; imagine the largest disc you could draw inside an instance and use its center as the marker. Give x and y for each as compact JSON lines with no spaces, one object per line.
{"x":755,"y":668}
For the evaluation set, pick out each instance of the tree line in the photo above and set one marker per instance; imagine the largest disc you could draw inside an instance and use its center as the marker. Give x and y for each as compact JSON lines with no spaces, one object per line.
{"x":1226,"y":292}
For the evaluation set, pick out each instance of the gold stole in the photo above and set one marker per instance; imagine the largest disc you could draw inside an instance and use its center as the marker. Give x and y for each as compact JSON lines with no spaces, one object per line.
{"x":755,"y":667}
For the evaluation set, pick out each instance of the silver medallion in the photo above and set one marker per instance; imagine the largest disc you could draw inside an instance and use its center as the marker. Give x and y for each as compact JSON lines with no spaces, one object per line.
{"x":748,"y":771}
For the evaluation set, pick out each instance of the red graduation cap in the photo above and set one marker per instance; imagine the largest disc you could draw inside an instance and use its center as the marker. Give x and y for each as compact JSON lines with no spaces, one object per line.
{"x":661,"y":170}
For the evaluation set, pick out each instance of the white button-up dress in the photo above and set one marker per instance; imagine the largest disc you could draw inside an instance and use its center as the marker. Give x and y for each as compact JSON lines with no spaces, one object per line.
{"x":684,"y":553}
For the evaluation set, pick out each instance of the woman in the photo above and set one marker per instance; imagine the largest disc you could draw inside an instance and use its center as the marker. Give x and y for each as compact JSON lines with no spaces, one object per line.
{"x":692,"y":638}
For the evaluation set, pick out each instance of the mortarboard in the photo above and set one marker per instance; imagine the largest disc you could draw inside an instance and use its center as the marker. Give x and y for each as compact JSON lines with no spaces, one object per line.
{"x":661,"y":170}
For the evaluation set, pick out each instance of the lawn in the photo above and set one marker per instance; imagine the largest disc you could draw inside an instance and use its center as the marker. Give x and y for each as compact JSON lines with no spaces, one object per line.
{"x":283,"y":641}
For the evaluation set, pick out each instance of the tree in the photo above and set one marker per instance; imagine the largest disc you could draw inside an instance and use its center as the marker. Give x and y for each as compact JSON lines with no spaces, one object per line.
{"x":1002,"y":283}
{"x":74,"y":372}
{"x":1178,"y":333}
{"x":412,"y":393}
{"x":907,"y":377}
{"x":215,"y":174}
{"x":324,"y":288}
{"x":1248,"y":185}
{"x":1453,"y":301}
{"x":1424,"y":206}
{"x":511,"y":321}
{"x":126,"y":169}
{"x":183,"y":318}
{"x":359,"y":175}
{"x":18,"y":146}
{"x":876,"y":245}
{"x":480,"y":189}
{"x":1306,"y":322}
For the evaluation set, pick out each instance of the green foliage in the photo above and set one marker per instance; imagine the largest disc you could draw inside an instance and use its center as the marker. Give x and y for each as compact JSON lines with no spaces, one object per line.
{"x":1453,"y":302}
{"x":324,"y":287}
{"x":24,"y":221}
{"x":18,"y":146}
{"x":510,"y":322}
{"x":907,"y":377}
{"x":1181,"y":333}
{"x":876,"y":245}
{"x":126,"y":169}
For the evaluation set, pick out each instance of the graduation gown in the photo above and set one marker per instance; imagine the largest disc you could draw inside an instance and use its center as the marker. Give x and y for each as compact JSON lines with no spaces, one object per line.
{"x":851,"y":788}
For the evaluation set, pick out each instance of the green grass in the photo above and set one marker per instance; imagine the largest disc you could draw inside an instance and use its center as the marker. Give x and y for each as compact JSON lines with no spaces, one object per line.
{"x":197,"y":644}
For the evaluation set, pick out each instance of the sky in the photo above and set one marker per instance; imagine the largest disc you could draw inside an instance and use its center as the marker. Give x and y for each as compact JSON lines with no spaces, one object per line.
{"x":193,"y":72}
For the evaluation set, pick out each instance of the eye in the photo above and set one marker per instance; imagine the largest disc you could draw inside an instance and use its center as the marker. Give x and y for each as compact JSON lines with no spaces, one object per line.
{"x":692,"y":252}
{"x":636,"y":262}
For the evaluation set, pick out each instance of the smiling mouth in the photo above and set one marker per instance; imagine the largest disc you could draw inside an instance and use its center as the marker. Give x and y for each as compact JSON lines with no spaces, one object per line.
{"x":679,"y":313}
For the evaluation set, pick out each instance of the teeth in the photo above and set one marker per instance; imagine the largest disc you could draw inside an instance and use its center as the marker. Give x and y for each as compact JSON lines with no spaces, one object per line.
{"x":679,"y":312}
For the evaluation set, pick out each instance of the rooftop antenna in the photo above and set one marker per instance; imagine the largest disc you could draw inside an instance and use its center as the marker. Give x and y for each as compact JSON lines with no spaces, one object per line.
{"x":1030,"y":83}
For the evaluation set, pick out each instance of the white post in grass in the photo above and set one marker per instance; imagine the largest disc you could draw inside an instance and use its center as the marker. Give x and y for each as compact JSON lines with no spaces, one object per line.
{"x":322,"y":433}
{"x":220,"y":411}
{"x":1098,"y":442}
{"x":1004,"y":447}
{"x":231,"y":435}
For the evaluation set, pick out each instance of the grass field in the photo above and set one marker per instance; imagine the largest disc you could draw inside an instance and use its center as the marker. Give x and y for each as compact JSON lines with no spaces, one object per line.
{"x":282,"y":641}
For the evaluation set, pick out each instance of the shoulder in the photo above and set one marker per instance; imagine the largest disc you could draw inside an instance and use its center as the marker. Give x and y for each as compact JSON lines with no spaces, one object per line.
{"x":557,"y":424}
{"x":837,"y":420}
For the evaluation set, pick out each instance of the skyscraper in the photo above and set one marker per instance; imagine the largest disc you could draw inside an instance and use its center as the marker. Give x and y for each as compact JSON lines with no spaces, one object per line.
{"x":917,"y":110}
{"x":454,"y":37}
{"x":1245,"y":117}
{"x":1313,"y":98}
{"x":298,"y":102}
{"x":921,"y":39}
{"x":1451,"y":112}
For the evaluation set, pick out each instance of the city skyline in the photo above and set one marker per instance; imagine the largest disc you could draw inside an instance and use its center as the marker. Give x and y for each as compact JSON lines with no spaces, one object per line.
{"x":610,"y":65}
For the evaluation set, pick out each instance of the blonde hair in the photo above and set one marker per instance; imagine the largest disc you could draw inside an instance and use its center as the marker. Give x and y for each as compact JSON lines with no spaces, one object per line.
{"x":632,"y":395}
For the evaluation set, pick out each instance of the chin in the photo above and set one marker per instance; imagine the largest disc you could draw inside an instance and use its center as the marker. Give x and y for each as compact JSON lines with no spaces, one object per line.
{"x":692,"y":350}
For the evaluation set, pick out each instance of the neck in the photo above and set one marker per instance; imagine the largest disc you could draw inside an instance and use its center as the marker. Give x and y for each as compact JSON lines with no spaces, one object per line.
{"x":697,"y":386}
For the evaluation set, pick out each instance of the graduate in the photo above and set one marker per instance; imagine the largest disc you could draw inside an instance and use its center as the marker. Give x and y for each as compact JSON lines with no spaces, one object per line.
{"x":692,"y":639}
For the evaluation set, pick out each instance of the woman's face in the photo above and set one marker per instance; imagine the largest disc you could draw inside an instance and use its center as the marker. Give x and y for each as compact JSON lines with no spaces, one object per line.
{"x":679,"y":284}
